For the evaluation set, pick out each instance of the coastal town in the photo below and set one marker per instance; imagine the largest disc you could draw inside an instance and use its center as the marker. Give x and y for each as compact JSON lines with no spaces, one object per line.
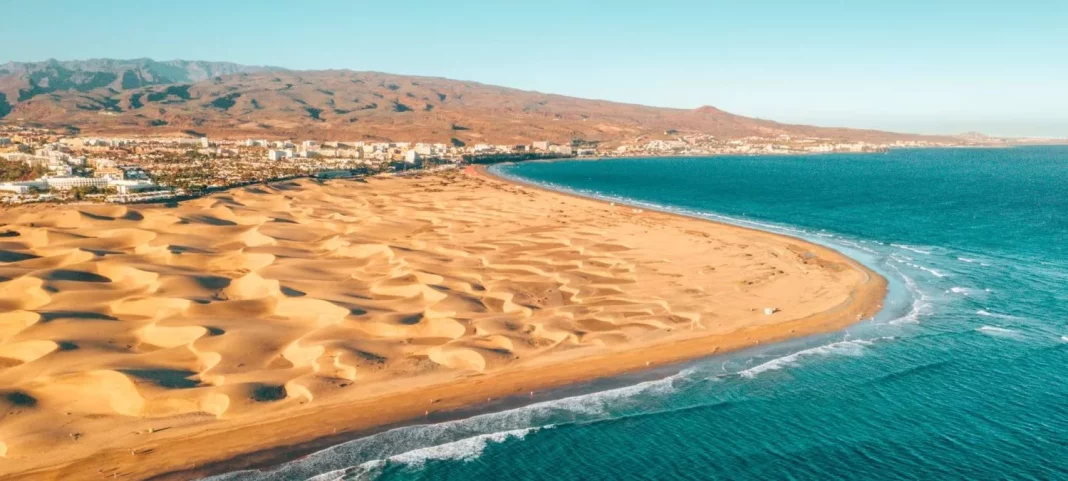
{"x":41,"y":165}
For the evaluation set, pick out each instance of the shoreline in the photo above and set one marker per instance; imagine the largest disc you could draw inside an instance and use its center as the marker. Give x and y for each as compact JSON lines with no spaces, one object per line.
{"x":284,"y":436}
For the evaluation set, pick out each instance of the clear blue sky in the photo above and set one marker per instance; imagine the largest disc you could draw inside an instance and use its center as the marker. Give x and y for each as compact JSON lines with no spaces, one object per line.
{"x":933,"y":66}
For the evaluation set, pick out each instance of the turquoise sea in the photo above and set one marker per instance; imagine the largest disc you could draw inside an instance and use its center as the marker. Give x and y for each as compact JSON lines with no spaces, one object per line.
{"x":963,"y":375}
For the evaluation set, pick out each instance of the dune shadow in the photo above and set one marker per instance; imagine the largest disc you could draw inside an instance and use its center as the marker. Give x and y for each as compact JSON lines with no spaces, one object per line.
{"x":75,"y":276}
{"x":95,"y":216}
{"x":100,"y":252}
{"x":49,"y":316}
{"x":12,"y":256}
{"x":212,"y":282}
{"x":411,"y":320}
{"x":180,"y":249}
{"x":133,"y":215}
{"x":20,"y":399}
{"x":286,"y":186}
{"x":291,"y":292}
{"x":209,"y":220}
{"x":165,"y":378}
{"x":370,"y":356}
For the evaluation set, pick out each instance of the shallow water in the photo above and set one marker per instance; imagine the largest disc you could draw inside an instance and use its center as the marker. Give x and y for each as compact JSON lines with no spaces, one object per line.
{"x":962,"y":375}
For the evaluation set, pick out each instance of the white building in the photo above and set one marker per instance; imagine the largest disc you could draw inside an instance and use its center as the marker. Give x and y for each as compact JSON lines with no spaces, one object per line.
{"x":60,"y":170}
{"x":411,"y":156}
{"x":309,"y":145}
{"x":276,"y":154}
{"x":561,"y":149}
{"x":68,"y":183}
{"x":22,"y":188}
{"x":103,"y":163}
{"x":124,"y":187}
{"x":541,"y":145}
{"x":29,"y":159}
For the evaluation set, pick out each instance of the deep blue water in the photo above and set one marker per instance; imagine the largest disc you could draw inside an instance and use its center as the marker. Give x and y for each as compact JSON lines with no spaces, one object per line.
{"x":964,"y":375}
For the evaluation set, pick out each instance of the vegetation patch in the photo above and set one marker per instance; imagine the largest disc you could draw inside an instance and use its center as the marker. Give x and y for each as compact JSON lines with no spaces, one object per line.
{"x":268,"y":393}
{"x":130,"y":80}
{"x":180,"y":91}
{"x":15,"y":171}
{"x":56,"y":79}
{"x":225,"y":102}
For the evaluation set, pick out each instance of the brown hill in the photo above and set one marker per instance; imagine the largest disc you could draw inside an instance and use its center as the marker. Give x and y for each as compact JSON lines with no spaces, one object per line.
{"x":228,"y":100}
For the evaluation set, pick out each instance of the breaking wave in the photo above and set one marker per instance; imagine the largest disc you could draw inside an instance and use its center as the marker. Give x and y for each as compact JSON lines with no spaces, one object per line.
{"x":999,"y":332}
{"x":463,"y":450}
{"x":851,"y":348}
{"x":462,"y":439}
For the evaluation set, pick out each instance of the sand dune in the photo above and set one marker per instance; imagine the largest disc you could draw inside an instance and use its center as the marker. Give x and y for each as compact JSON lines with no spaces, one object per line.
{"x":131,"y":337}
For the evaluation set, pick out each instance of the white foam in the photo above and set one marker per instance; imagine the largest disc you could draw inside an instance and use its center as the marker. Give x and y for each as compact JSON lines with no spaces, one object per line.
{"x":852,"y":348}
{"x":985,"y":313}
{"x":920,"y":304}
{"x":463,"y":450}
{"x":964,"y":291}
{"x":999,"y":332}
{"x":934,"y":272}
{"x":462,"y":439}
{"x":912,"y":249}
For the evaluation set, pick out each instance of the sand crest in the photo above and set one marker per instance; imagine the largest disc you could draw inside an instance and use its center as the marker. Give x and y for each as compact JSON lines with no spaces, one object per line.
{"x":141,"y":340}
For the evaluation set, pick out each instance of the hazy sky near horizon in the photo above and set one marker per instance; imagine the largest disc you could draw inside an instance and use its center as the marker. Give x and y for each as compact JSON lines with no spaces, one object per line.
{"x":932,"y":66}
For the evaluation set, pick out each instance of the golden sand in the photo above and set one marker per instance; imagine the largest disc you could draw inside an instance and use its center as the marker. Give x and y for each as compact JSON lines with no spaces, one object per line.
{"x":144,"y":340}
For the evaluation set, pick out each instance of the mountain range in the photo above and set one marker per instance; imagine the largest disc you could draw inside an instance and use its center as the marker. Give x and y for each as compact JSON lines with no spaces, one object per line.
{"x":220,"y":99}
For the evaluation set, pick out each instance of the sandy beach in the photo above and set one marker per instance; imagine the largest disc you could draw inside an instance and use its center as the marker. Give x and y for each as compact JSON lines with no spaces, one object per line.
{"x":152,"y":341}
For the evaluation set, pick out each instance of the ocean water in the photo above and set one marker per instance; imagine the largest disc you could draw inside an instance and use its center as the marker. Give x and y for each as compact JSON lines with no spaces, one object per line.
{"x":963,"y":375}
